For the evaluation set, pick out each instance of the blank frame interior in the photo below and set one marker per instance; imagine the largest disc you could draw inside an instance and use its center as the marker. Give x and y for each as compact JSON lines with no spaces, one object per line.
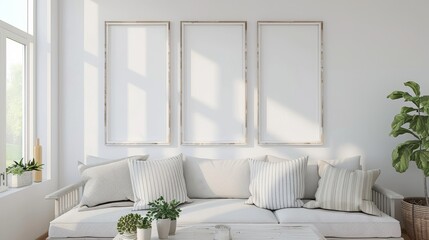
{"x":213,"y":64}
{"x":290,"y":83}
{"x":137,"y":110}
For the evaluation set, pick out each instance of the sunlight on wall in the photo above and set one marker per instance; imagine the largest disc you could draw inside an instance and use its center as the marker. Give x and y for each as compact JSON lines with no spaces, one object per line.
{"x":299,"y":127}
{"x":137,"y":50}
{"x":209,"y":71}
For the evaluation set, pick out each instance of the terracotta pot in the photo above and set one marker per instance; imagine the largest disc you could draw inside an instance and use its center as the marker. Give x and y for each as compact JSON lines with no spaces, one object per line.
{"x":416,"y":218}
{"x":173,"y":225}
{"x":144,"y":233}
{"x":163,"y":227}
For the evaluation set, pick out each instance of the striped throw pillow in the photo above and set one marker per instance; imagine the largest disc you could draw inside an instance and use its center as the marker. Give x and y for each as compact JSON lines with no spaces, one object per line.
{"x":276,"y":185}
{"x":346,"y":190}
{"x":152,"y":179}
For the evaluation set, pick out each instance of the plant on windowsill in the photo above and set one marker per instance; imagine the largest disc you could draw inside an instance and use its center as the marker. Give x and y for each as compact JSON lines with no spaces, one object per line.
{"x":20,"y":174}
{"x":127,"y":226}
{"x":414,"y":121}
{"x":164,"y":212}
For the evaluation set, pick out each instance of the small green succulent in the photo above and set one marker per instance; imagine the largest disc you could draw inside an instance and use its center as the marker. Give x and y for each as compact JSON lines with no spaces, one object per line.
{"x":128,"y":223}
{"x":18,"y":168}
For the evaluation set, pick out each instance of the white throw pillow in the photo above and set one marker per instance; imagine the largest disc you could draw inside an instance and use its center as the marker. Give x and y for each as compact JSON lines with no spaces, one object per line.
{"x":92,"y":161}
{"x":152,"y":179}
{"x":345,"y":190}
{"x":217,"y":178}
{"x":107,"y":183}
{"x":276,"y":185}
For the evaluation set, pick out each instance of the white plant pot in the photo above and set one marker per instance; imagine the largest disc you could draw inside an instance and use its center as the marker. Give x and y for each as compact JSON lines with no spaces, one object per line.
{"x":16,"y":181}
{"x":173,"y":225}
{"x":163,"y":227}
{"x":128,"y":236}
{"x":144,"y":234}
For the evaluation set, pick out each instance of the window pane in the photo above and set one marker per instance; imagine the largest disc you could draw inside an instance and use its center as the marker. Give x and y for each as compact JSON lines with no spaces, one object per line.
{"x":14,"y":12}
{"x":15,"y":75}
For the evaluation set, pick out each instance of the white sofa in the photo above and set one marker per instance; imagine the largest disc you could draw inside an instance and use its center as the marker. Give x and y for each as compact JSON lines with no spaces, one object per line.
{"x":219,"y":189}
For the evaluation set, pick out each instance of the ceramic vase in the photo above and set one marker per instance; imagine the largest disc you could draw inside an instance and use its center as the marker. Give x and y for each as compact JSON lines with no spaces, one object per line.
{"x":128,"y":236}
{"x":163,"y":227}
{"x":16,"y":181}
{"x":144,"y":233}
{"x":173,"y":225}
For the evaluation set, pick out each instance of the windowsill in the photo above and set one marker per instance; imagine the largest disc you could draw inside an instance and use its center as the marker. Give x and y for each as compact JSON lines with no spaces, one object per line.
{"x":11,"y":191}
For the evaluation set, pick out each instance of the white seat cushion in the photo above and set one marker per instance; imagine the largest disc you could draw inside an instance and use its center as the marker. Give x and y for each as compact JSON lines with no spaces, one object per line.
{"x":93,"y":223}
{"x":342,"y":224}
{"x":223,"y":211}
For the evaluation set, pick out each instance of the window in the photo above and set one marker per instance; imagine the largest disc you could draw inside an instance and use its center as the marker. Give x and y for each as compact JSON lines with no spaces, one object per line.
{"x":16,"y":82}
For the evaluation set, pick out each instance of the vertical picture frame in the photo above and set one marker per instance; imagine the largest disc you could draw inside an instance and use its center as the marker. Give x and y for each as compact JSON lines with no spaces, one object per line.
{"x":213,"y":83}
{"x":137,"y":83}
{"x":290,"y":83}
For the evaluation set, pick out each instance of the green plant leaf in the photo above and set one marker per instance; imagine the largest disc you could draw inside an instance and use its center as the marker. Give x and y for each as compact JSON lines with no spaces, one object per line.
{"x":402,"y":131}
{"x":401,"y":155}
{"x":418,"y":124}
{"x":422,"y":159}
{"x":407,"y":109}
{"x":414,"y":86}
{"x":399,"y":120}
{"x":396,"y":95}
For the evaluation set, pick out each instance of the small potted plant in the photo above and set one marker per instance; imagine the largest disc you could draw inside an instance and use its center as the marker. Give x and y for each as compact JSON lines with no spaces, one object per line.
{"x":127,"y":226}
{"x":163,"y":212}
{"x":174,"y":214}
{"x":20,"y":174}
{"x":144,"y":228}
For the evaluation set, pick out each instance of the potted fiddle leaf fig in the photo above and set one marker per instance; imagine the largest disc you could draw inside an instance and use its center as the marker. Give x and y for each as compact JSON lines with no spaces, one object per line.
{"x":413,"y":121}
{"x":127,"y":226}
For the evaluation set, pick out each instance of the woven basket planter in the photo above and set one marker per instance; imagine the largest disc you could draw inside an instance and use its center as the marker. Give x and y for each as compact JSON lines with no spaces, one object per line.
{"x":416,"y":218}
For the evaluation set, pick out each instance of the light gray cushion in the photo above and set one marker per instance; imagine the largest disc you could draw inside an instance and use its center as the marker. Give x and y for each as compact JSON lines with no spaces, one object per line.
{"x":217,"y":178}
{"x":92,"y":161}
{"x":96,"y":223}
{"x":312,"y":176}
{"x":345,"y":190}
{"x":152,"y":179}
{"x":275,"y":185}
{"x":108,"y":183}
{"x":342,"y":224}
{"x":223,"y":211}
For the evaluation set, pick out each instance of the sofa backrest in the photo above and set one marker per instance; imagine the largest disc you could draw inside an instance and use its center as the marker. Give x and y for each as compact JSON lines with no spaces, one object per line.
{"x":230,"y":178}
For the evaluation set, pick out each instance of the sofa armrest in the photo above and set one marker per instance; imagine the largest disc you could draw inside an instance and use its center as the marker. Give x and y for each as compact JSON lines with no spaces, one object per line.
{"x":66,"y":198}
{"x":387,"y":201}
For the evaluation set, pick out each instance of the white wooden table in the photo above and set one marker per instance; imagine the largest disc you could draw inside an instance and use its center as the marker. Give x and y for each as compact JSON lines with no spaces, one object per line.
{"x":246,"y":232}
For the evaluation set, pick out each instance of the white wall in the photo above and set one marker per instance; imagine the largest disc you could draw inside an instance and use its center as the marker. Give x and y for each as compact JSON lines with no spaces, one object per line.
{"x":370,"y":49}
{"x":25,"y":213}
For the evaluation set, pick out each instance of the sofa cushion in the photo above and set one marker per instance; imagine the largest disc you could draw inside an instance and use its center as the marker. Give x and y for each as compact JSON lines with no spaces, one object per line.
{"x":276,"y":185}
{"x":223,"y":211}
{"x":152,"y":179}
{"x":345,"y":190}
{"x":108,"y":183}
{"x":217,"y":178}
{"x":102,"y":222}
{"x":312,"y":177}
{"x":95,"y":223}
{"x":342,"y":224}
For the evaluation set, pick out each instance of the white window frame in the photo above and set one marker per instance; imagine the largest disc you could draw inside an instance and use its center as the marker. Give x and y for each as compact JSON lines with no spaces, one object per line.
{"x":8,"y":31}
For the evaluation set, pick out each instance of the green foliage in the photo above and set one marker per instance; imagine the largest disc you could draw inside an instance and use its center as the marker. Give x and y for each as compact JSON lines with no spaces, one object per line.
{"x":161,"y":209}
{"x":414,"y":121}
{"x":14,"y":105}
{"x":18,"y":168}
{"x":145,"y":223}
{"x":128,"y":223}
